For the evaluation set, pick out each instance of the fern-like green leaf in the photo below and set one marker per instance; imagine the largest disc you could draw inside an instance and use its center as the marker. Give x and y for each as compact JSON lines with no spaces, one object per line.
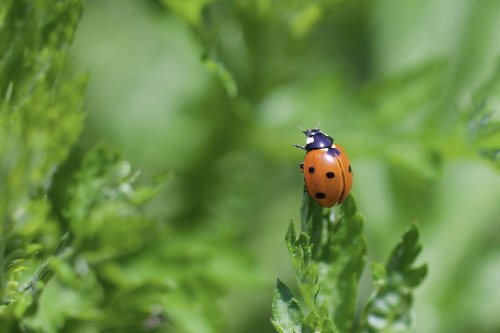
{"x":341,"y":264}
{"x":390,"y":309}
{"x":306,"y":271}
{"x":328,"y":269}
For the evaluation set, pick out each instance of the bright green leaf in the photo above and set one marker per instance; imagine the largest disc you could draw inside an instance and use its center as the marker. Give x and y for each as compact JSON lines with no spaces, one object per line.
{"x":190,"y":10}
{"x":217,"y":69}
{"x":304,"y":19}
{"x":379,"y":273}
{"x":341,"y":263}
{"x":306,"y":271}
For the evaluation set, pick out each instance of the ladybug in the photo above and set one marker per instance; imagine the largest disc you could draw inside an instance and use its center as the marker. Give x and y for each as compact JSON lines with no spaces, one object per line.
{"x":327,"y":170}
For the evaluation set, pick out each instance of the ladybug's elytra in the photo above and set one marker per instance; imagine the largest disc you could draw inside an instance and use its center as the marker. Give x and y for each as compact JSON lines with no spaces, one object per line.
{"x":327,"y":170}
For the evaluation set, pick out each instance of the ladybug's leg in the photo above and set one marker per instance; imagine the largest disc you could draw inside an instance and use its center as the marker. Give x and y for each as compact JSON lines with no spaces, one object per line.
{"x":300,"y":147}
{"x":301,"y":165}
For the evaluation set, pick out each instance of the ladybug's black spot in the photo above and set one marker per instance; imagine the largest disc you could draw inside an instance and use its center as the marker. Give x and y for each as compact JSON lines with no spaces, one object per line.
{"x":311,"y":170}
{"x":320,"y":195}
{"x":350,"y":171}
{"x":330,"y":174}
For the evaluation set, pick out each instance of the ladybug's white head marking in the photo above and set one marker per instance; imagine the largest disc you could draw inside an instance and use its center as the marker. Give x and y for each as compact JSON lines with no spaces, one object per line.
{"x":315,"y":139}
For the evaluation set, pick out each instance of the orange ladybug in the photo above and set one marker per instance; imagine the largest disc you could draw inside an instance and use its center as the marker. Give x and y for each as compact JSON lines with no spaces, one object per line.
{"x":327,"y":170}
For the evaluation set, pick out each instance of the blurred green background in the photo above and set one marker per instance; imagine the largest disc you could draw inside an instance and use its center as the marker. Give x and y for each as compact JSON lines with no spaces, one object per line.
{"x":213,"y":92}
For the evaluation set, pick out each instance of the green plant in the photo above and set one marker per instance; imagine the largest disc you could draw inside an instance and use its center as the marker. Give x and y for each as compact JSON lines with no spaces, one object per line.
{"x":418,"y":115}
{"x":78,"y":251}
{"x":40,"y":121}
{"x":328,"y":257}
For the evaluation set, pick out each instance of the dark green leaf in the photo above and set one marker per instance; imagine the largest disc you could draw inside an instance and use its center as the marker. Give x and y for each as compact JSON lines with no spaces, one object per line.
{"x":287,"y":316}
{"x":405,"y":253}
{"x":414,"y":277}
{"x":313,"y":222}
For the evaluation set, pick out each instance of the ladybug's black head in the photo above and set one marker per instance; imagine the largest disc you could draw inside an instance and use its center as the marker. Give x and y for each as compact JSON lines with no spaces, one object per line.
{"x":317,"y":139}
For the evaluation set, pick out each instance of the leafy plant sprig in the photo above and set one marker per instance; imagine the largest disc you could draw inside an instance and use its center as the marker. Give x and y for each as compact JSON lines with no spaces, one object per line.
{"x":328,"y":257}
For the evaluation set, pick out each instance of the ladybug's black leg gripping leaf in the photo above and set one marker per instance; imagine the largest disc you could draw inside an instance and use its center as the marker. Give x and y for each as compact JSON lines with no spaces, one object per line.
{"x":300,"y":147}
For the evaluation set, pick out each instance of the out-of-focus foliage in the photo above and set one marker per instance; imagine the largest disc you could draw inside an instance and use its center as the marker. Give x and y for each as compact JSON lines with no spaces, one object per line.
{"x":123,"y":271}
{"x":78,"y":252}
{"x":328,"y":277}
{"x":390,"y":309}
{"x":484,"y":119}
{"x":213,"y":92}
{"x":40,"y":120}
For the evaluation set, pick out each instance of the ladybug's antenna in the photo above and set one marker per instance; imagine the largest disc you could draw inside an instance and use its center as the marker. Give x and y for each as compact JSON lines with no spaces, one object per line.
{"x":301,"y":129}
{"x":317,"y":125}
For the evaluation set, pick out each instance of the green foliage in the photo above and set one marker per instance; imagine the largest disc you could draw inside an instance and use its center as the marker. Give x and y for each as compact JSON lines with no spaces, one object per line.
{"x":98,"y":275}
{"x":102,"y":207}
{"x":390,"y":309}
{"x":213,"y":92}
{"x":288,"y":316}
{"x":328,"y":280}
{"x":191,"y":11}
{"x":341,"y":263}
{"x":78,"y":252}
{"x":40,"y":120}
{"x":240,"y":76}
{"x":218,"y":69}
{"x":483,"y":116}
{"x":328,"y":258}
